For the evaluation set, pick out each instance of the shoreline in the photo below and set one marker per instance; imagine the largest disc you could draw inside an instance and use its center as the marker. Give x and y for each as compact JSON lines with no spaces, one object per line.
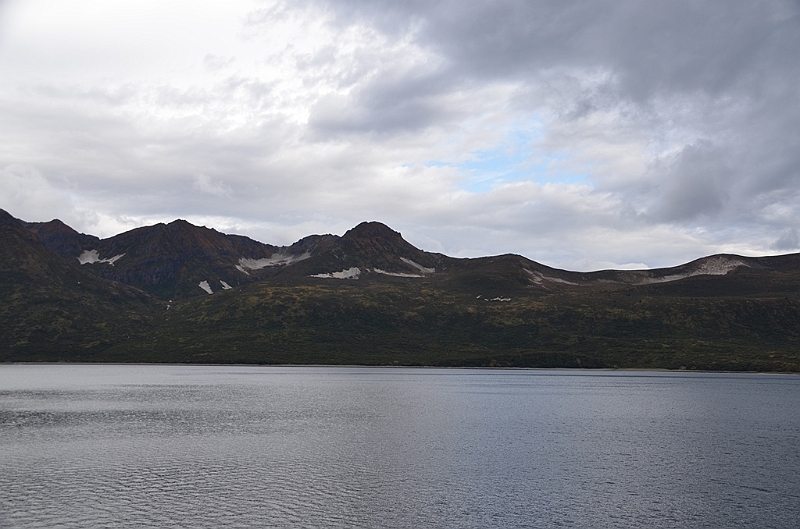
{"x":367,"y":366}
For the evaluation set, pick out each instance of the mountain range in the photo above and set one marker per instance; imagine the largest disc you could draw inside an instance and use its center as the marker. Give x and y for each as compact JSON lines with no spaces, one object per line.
{"x":183,"y":293}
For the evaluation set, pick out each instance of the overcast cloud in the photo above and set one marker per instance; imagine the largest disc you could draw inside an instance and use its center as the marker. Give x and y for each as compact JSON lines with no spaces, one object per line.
{"x":580,"y":134}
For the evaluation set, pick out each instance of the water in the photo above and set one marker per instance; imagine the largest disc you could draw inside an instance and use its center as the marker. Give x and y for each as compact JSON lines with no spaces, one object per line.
{"x":199,"y":446}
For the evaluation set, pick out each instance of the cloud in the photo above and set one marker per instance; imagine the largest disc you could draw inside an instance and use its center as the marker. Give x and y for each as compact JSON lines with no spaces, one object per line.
{"x":790,"y":240}
{"x":215,"y":63}
{"x":26,"y":191}
{"x":690,"y":184}
{"x":204,"y":184}
{"x":577,"y":133}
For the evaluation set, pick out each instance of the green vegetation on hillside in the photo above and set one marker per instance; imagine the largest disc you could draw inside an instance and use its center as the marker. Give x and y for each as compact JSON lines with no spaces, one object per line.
{"x":417,"y":323}
{"x":407,"y":307}
{"x":52,"y":310}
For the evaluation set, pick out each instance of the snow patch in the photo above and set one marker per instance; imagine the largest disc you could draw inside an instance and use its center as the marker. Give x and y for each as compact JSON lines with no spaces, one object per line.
{"x":538,"y":278}
{"x":500,"y":299}
{"x":277,"y":259}
{"x":418,"y":266}
{"x":395,"y":274}
{"x":225,"y":286}
{"x":239,"y":268}
{"x":350,"y":273}
{"x":719,"y":266}
{"x":93,"y":256}
{"x":89,"y":257}
{"x":716,"y":266}
{"x":557,"y":280}
{"x":205,"y":286}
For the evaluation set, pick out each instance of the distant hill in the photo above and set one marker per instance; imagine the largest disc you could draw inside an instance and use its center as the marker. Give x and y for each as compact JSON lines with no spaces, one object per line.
{"x":171,"y":261}
{"x":182,"y":293}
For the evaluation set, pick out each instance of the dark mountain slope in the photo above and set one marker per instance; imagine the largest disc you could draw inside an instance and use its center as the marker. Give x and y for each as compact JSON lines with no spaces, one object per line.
{"x":371,"y":249}
{"x":179,"y":260}
{"x":505,"y":275}
{"x":172,"y":260}
{"x":61,"y":238}
{"x":6,"y":219}
{"x":375,"y":245}
{"x":52,"y":308}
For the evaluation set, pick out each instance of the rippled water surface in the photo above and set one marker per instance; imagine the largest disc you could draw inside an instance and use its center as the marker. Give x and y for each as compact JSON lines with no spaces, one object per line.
{"x":205,"y":446}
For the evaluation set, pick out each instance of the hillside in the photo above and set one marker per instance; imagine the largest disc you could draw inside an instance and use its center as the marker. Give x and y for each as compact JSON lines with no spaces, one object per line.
{"x":54,"y":310}
{"x":370,"y":297}
{"x":420,"y":323}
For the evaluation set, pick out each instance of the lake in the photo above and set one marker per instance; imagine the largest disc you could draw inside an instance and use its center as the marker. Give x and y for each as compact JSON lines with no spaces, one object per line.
{"x":251,"y":446}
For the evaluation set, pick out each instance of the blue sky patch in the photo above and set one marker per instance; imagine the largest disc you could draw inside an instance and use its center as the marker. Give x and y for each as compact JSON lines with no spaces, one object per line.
{"x":514,"y":160}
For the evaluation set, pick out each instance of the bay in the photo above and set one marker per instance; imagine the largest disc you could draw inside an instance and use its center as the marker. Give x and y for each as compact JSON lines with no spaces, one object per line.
{"x":252,"y":446}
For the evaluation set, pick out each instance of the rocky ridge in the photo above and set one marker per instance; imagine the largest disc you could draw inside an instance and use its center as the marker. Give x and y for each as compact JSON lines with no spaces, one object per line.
{"x":180,"y":260}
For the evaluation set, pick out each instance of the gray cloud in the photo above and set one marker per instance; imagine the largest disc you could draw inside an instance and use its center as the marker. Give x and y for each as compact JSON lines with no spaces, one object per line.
{"x":624,"y":132}
{"x":790,"y":240}
{"x":729,"y":64}
{"x":386,"y":105}
{"x":693,"y":183}
{"x":681,"y":45}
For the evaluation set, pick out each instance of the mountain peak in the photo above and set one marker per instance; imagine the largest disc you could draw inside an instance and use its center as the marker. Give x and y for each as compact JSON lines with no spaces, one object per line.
{"x":375,"y":246}
{"x":372,"y":230}
{"x":62,"y":238}
{"x":53,"y":226}
{"x":181,"y":225}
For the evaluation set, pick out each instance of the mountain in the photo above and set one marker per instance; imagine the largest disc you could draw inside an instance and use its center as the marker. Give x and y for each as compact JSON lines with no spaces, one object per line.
{"x":182,"y":293}
{"x":61,"y":238}
{"x":53,"y":307}
{"x":370,"y":250}
{"x":179,"y":260}
{"x":171,"y":260}
{"x":176,"y":260}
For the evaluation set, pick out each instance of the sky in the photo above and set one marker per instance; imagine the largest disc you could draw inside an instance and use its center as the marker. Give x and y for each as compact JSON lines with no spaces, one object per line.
{"x":580,"y":134}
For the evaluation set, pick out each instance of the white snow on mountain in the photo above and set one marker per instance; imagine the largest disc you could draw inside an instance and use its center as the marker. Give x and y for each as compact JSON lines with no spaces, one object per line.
{"x":277,"y":259}
{"x":714,"y":266}
{"x":350,"y":273}
{"x":395,"y":274}
{"x":538,"y":278}
{"x":205,"y":286}
{"x":418,"y":266}
{"x":93,"y":256}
